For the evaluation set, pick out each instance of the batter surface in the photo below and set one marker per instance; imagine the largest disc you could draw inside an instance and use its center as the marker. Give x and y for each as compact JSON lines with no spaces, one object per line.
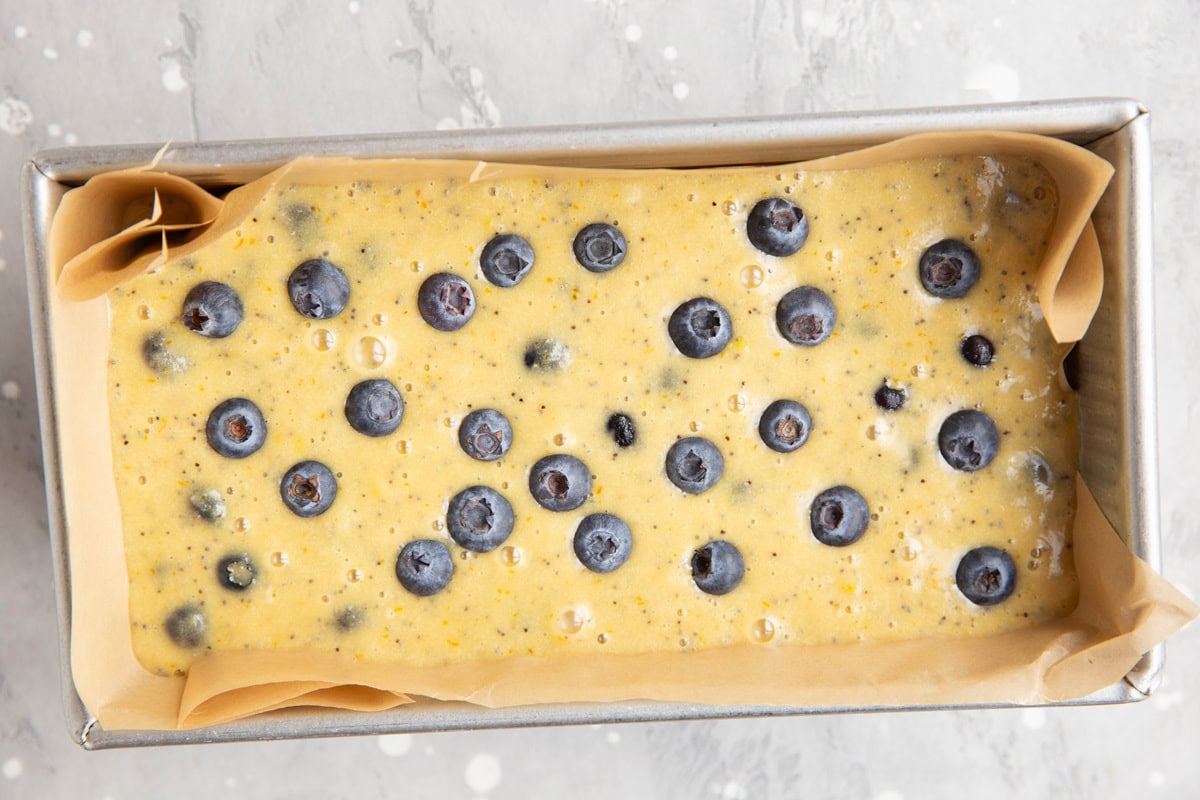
{"x":328,"y":583}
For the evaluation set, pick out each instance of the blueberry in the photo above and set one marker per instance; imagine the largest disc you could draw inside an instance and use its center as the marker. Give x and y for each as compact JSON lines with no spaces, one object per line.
{"x":446,"y":301}
{"x":623,"y":431}
{"x":209,"y":504}
{"x":785,"y":426}
{"x":805,"y":316}
{"x":949,"y":269}
{"x":700,"y":328}
{"x":212,"y":309}
{"x":479,"y":519}
{"x":602,"y":542}
{"x":599,"y":247}
{"x":889,"y":398}
{"x":547,"y":355}
{"x":186,"y":626}
{"x":349,"y":618}
{"x":977,"y":349}
{"x":161,"y":358}
{"x":424,"y":567}
{"x":485,"y":434}
{"x":235,"y":572}
{"x":968,"y":440}
{"x":318,"y":289}
{"x":374,"y":407}
{"x":560,"y":482}
{"x":236,"y":428}
{"x":694,"y":464}
{"x":777,"y":226}
{"x":986,"y":576}
{"x":506,"y":259}
{"x":717,"y":567}
{"x":839,"y":516}
{"x":308,"y":489}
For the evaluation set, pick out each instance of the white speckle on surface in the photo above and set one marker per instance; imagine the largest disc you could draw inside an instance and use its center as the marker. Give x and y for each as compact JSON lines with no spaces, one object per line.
{"x":633,"y":33}
{"x":15,"y":116}
{"x":3,"y":265}
{"x":680,"y":90}
{"x":483,"y":773}
{"x":50,"y":53}
{"x":71,"y":138}
{"x":172,"y":77}
{"x":732,"y":790}
{"x":612,"y":737}
{"x":1165,"y":700}
{"x":670,"y":53}
{"x":475,"y":74}
{"x":428,"y":750}
{"x":21,"y":32}
{"x":1033,"y":718}
{"x":10,"y":390}
{"x":353,"y":7}
{"x":230,"y":782}
{"x":13,"y":768}
{"x":1156,"y":778}
{"x":998,"y":81}
{"x":1,"y":236}
{"x":446,"y":124}
{"x":85,"y":38}
{"x":918,"y":25}
{"x":395,"y":744}
{"x":889,"y":794}
{"x":54,"y":130}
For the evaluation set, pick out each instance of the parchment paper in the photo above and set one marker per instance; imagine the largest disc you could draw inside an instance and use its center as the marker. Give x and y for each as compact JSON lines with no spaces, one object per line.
{"x":123,"y":223}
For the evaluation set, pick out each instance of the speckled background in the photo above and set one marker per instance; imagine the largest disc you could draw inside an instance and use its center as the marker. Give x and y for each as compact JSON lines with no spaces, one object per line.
{"x":73,"y":72}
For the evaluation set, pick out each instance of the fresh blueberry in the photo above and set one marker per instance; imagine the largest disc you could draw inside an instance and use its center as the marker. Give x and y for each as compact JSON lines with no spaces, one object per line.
{"x":479,"y":519}
{"x":236,"y":428}
{"x":599,"y":247}
{"x":560,"y":482}
{"x":805,"y":316}
{"x":308,"y":489}
{"x":318,"y":289}
{"x":212,"y":309}
{"x":785,"y":426}
{"x":968,"y":440}
{"x":977,"y":349}
{"x":187,"y":626}
{"x":949,"y":269}
{"x":889,"y":398}
{"x":235,"y":572}
{"x":602,"y":542}
{"x":623,"y":431}
{"x":424,"y":567}
{"x":209,"y":504}
{"x":349,"y":617}
{"x":777,"y":226}
{"x":694,"y":464}
{"x":485,"y":434}
{"x":506,"y":259}
{"x":374,"y":407}
{"x":986,"y":576}
{"x":161,"y":358}
{"x":446,"y":301}
{"x":700,"y":328}
{"x":547,"y":355}
{"x":717,"y":567}
{"x":839,"y":516}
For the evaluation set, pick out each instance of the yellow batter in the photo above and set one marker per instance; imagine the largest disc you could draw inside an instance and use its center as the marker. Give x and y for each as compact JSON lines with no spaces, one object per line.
{"x":328,"y":583}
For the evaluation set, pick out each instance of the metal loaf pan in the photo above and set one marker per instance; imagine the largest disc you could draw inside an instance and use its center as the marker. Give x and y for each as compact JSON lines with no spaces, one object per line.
{"x":1117,"y":378}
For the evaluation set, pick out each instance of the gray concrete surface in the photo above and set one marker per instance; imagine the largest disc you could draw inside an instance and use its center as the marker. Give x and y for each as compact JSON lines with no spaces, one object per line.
{"x":90,"y":73}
